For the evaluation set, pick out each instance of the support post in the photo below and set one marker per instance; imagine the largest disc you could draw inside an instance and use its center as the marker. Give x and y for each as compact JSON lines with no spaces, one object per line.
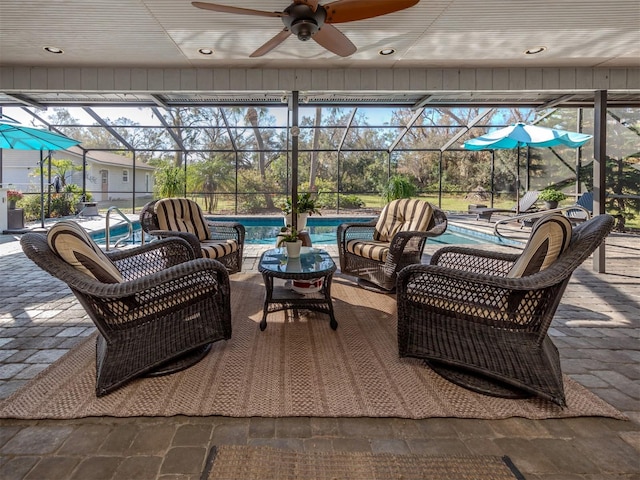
{"x":599,"y":168}
{"x":294,"y":158}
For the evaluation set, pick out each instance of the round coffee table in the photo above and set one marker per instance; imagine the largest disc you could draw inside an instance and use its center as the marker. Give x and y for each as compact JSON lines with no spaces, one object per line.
{"x":313,"y":264}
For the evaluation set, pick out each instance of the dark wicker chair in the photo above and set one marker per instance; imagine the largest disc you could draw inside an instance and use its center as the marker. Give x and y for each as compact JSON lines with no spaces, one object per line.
{"x":378,"y":271}
{"x":224,"y":240}
{"x":160,"y":319}
{"x":484,"y":330}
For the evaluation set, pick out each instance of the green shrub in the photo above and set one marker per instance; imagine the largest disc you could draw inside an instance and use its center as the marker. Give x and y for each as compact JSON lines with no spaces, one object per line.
{"x":351,"y":201}
{"x":399,"y":186}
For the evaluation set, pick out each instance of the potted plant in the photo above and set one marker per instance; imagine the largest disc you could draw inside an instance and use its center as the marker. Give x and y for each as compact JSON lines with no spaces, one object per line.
{"x":550,"y":196}
{"x":289,"y":237}
{"x":306,"y":206}
{"x":12,"y":197}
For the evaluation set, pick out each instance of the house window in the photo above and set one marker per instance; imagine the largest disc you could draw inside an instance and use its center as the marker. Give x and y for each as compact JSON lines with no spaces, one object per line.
{"x":125,"y":176}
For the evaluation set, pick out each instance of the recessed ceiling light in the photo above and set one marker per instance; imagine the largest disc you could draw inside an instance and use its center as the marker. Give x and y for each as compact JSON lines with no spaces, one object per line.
{"x":534,"y":50}
{"x":387,"y":51}
{"x":205,"y":51}
{"x":55,"y":50}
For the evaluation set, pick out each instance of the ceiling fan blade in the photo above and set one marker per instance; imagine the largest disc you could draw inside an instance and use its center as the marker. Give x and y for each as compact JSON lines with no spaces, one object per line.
{"x":242,"y":11}
{"x":312,"y":4}
{"x":334,"y":40}
{"x":351,"y":10}
{"x":271,"y":44}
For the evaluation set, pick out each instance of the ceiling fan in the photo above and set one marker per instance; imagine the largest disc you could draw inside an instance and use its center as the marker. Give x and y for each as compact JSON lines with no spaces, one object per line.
{"x":308,"y":19}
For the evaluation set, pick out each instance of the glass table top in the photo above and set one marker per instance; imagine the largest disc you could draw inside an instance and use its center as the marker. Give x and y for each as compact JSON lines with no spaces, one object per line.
{"x":312,"y":260}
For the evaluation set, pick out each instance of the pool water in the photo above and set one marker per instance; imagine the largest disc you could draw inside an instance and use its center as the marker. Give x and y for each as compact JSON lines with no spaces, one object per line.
{"x":322,"y":230}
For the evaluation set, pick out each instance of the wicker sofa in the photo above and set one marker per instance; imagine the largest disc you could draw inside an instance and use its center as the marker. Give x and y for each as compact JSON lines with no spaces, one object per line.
{"x":482,"y":327}
{"x":181,"y":217}
{"x":157,"y":308}
{"x":376,"y":251}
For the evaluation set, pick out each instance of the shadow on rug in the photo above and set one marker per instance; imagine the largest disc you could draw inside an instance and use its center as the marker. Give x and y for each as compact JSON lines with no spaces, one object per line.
{"x":298,"y":366}
{"x":231,"y":462}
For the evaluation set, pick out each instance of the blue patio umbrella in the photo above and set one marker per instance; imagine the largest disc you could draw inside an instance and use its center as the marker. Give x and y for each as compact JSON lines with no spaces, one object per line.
{"x":20,"y":137}
{"x":522,"y":135}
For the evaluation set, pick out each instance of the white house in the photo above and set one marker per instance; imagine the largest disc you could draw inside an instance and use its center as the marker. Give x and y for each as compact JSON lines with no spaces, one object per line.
{"x":109,"y":176}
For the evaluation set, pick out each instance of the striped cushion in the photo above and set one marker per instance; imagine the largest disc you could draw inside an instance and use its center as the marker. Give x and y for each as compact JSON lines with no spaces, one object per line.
{"x":550,"y":237}
{"x":74,"y":245}
{"x":218,"y":248}
{"x":404,"y":215}
{"x":369,"y":249}
{"x":181,"y":215}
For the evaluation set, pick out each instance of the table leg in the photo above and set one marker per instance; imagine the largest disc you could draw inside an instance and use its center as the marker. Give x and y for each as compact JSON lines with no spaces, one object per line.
{"x":268,"y":283}
{"x":327,"y":295}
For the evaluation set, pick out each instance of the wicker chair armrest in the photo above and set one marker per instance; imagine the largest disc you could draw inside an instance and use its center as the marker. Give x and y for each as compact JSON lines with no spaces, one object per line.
{"x":191,"y":238}
{"x":152,"y":257}
{"x":227,"y":230}
{"x":549,"y":277}
{"x":153,"y":282}
{"x":348,"y":231}
{"x":518,"y":303}
{"x":474,"y":260}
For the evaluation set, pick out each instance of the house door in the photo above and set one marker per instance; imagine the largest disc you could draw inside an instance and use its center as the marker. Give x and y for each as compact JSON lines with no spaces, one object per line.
{"x":104,"y":182}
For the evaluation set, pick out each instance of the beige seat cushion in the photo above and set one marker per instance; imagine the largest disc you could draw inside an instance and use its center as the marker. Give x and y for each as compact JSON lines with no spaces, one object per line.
{"x":74,"y":245}
{"x":550,"y":237}
{"x":369,"y":249}
{"x":404,"y":215}
{"x":218,"y":248}
{"x":181,"y":215}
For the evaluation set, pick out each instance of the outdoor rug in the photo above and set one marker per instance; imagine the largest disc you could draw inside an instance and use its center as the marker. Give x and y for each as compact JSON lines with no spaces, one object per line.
{"x":231,"y":462}
{"x":297,"y":367}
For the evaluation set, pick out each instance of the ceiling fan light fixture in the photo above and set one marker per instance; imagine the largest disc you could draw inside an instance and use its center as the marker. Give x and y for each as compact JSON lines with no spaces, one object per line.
{"x":534,"y":50}
{"x":54,"y":50}
{"x":387,"y":51}
{"x":304,"y":28}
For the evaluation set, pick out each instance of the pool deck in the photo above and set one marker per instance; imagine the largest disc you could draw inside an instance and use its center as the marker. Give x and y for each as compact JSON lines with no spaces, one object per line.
{"x":595,"y":329}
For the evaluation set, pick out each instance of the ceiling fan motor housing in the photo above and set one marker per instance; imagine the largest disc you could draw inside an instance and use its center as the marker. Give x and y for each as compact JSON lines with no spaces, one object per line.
{"x":302,"y":21}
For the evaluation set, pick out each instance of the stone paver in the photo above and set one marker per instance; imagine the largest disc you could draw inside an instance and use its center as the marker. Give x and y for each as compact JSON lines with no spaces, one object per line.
{"x":596,"y":331}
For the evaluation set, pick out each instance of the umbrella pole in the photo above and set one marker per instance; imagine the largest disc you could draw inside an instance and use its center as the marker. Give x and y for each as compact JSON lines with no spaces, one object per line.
{"x":518,"y":182}
{"x":41,"y":190}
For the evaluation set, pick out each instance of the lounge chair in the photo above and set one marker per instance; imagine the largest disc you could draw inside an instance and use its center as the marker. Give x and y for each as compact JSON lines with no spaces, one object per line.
{"x":480,"y":318}
{"x":376,"y":251}
{"x":526,"y":204}
{"x":578,"y":215}
{"x":157,"y":307}
{"x":181,"y":217}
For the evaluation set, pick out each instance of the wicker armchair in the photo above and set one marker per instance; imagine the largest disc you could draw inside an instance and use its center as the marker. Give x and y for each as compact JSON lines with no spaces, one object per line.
{"x":161,"y":317}
{"x":483,"y":329}
{"x":181,"y":217}
{"x":376,"y":251}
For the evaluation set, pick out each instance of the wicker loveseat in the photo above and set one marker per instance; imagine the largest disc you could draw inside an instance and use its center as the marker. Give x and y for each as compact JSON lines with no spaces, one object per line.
{"x":376,"y":251}
{"x":181,"y":217}
{"x":482,"y":326}
{"x":157,"y":308}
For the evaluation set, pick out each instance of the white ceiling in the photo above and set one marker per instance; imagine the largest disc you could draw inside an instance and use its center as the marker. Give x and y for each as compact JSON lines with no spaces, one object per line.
{"x":432,"y":34}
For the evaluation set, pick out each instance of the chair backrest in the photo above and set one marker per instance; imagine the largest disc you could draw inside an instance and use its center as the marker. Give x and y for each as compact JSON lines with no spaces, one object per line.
{"x":586,"y":201}
{"x":69,"y":241}
{"x":181,"y":215}
{"x":550,"y":237}
{"x":402,"y":215}
{"x":585,"y":238}
{"x":528,"y":200}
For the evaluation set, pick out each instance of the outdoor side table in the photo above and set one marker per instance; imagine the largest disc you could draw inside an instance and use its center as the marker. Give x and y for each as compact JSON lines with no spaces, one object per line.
{"x":313,"y":264}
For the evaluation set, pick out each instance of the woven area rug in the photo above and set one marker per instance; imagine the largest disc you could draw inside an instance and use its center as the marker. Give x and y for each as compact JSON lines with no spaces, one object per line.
{"x":262,"y":463}
{"x":297,"y":367}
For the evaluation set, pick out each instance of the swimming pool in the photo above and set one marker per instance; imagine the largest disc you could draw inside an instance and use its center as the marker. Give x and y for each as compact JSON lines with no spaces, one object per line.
{"x":322,"y":230}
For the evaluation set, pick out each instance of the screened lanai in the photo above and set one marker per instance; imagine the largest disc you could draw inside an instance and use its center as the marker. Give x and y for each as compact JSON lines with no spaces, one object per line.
{"x":244,"y":159}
